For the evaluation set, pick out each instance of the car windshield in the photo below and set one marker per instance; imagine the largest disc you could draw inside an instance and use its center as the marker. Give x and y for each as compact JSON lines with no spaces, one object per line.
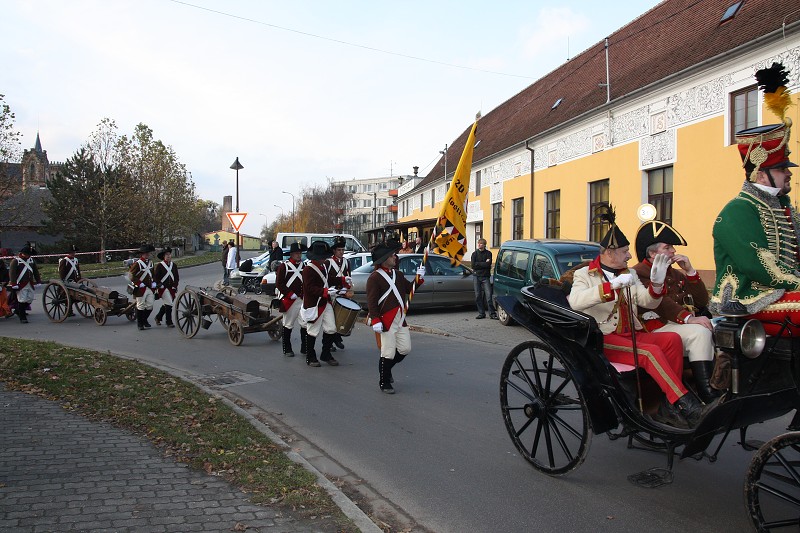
{"x":573,"y":259}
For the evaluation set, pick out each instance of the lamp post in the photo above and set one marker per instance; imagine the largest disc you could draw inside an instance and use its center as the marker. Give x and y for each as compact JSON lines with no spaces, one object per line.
{"x":265,"y":226}
{"x":279,"y":207}
{"x":444,"y":153}
{"x":292,"y":195}
{"x":237,"y":167}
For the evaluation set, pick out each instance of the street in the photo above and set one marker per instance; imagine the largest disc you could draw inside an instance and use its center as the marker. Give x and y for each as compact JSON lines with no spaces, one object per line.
{"x":435,"y":456}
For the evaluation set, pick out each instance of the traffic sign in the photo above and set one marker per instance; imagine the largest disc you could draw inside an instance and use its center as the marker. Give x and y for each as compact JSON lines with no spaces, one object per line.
{"x":236,"y":220}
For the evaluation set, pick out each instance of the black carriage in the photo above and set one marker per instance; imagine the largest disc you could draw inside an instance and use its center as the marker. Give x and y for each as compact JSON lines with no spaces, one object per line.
{"x":88,"y":299}
{"x":559,"y":390}
{"x":196,"y":306}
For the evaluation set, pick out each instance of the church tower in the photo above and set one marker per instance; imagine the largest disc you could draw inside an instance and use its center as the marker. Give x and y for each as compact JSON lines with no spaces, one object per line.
{"x":35,"y":166}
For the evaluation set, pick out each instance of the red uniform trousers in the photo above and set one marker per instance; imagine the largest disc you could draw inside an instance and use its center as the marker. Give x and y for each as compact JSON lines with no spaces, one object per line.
{"x":660,"y":355}
{"x":774,"y":314}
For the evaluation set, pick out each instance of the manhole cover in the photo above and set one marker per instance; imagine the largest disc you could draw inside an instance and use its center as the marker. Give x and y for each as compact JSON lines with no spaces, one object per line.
{"x":229,"y":379}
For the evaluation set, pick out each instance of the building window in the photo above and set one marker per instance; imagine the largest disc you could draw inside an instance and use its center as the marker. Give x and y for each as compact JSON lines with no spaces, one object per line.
{"x":518,"y":217}
{"x":497,"y":223}
{"x":659,"y":192}
{"x":744,"y":110}
{"x":552,"y":201}
{"x":598,"y":198}
{"x":478,"y":183}
{"x":421,"y":201}
{"x":433,"y":197}
{"x":478,"y":233}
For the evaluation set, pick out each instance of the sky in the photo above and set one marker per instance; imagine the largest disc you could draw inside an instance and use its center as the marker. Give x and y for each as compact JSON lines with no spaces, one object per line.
{"x":301,"y":92}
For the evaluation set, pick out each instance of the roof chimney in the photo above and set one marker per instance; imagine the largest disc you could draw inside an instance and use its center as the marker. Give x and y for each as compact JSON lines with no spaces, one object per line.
{"x":416,"y":169}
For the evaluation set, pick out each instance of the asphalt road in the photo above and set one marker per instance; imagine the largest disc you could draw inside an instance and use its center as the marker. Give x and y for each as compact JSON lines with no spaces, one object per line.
{"x":435,"y":456}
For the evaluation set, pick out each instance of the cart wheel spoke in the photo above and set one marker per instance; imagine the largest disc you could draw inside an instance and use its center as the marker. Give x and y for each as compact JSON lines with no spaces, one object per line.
{"x":56,"y":302}
{"x":188,"y":314}
{"x":100,"y":316}
{"x":85,"y":309}
{"x":236,"y":332}
{"x":543,"y":409}
{"x":772,"y":484}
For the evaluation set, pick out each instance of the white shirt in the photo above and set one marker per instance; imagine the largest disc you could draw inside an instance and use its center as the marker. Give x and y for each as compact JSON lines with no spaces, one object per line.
{"x":231,"y":263}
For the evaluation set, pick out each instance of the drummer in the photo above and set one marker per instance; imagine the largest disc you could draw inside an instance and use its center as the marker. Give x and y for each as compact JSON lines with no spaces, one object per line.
{"x":289,"y":287}
{"x":317,"y":296}
{"x":339,"y":278}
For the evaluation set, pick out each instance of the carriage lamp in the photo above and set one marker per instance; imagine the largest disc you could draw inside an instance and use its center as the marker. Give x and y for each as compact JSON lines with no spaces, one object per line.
{"x":747,"y":337}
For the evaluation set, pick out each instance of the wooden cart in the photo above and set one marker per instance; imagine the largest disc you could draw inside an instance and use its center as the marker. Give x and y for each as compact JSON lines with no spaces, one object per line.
{"x":88,"y":298}
{"x":195,"y":306}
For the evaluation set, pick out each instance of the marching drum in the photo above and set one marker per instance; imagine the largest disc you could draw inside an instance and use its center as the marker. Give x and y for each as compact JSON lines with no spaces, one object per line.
{"x":345,"y":312}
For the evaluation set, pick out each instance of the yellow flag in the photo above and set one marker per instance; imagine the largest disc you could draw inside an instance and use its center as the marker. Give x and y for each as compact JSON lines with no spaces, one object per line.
{"x":449,"y":235}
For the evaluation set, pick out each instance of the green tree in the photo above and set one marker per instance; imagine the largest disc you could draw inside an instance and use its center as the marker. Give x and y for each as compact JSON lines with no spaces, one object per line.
{"x":10,"y":152}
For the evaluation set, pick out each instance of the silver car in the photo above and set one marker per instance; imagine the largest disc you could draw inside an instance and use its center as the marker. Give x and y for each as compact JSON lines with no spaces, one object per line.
{"x":445,"y":285}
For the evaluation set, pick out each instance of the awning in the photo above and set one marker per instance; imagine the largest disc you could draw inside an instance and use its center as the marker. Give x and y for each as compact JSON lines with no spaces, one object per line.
{"x":394,"y":226}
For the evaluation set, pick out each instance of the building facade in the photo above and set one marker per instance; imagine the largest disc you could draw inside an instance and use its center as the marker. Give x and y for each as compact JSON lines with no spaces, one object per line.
{"x":371,"y":208}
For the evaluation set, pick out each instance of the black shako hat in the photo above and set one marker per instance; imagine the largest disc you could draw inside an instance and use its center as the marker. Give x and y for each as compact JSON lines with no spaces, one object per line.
{"x":655,"y":231}
{"x":296,"y":247}
{"x":383,"y":250}
{"x":319,"y":251}
{"x":164,"y":252}
{"x":28,"y":249}
{"x":614,"y":238}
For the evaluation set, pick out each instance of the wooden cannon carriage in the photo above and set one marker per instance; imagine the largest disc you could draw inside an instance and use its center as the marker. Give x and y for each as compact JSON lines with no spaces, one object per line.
{"x":88,"y":298}
{"x":195,"y":306}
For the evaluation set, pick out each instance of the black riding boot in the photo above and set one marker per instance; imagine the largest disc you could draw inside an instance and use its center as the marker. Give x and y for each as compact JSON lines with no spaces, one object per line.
{"x":168,"y":316}
{"x":140,"y":319}
{"x":327,"y":342}
{"x":311,"y":355}
{"x":145,"y":316}
{"x":384,"y":375}
{"x":303,"y":340}
{"x":398,"y":357}
{"x":702,"y":373}
{"x":692,"y":410}
{"x":22,"y":312}
{"x":160,"y":314}
{"x":287,"y":342}
{"x":338,"y":341}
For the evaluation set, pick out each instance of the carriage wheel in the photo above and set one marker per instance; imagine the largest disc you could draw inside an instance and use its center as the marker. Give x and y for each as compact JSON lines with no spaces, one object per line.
{"x":236,"y":332}
{"x":85,"y":309}
{"x":100,"y":316}
{"x":772,"y":484}
{"x":543,"y":409}
{"x":130,"y":313}
{"x":56,"y":302}
{"x":188,"y":314}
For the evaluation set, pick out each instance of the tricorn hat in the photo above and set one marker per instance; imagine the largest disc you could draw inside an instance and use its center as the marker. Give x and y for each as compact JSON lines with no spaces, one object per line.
{"x":383,"y":251}
{"x":319,"y":250}
{"x":28,"y":249}
{"x":766,"y":147}
{"x":164,"y":252}
{"x":614,"y":238}
{"x":655,"y":231}
{"x":296,"y":247}
{"x":339,"y":242}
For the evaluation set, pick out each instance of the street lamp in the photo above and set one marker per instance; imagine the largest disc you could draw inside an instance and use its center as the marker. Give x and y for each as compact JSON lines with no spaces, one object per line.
{"x":279,"y":207}
{"x":237,"y":167}
{"x":292,"y":195}
{"x":265,"y":225}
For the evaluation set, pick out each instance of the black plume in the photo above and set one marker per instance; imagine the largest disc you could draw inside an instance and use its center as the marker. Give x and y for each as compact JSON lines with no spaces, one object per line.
{"x":769,"y":79}
{"x":606,"y":212}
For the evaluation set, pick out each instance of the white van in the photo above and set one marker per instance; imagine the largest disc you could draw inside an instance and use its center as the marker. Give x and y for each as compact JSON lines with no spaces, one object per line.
{"x":353,"y":245}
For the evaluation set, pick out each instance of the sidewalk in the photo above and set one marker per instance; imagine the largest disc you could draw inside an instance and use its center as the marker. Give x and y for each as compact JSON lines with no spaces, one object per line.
{"x":62,"y":472}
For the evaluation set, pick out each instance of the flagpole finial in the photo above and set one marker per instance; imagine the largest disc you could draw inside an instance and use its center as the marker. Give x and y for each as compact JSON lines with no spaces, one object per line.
{"x":477,"y":116}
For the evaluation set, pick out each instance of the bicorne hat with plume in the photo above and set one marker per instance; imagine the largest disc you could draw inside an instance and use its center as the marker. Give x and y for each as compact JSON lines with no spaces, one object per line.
{"x":614,"y":238}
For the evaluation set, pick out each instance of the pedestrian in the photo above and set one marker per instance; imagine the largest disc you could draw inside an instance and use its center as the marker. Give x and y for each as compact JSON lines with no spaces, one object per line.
{"x":386,"y":295}
{"x":418,"y":246}
{"x":482,"y":267}
{"x":317,"y":310}
{"x":232,"y":262}
{"x":405,"y":249}
{"x":275,"y":256}
{"x":289,"y":287}
{"x":141,"y":276}
{"x":5,"y":309}
{"x":225,"y":277}
{"x":339,"y":279}
{"x":23,"y":276}
{"x":166,"y":277}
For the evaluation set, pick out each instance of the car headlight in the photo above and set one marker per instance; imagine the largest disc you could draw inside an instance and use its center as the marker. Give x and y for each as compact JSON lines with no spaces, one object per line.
{"x":752,"y":339}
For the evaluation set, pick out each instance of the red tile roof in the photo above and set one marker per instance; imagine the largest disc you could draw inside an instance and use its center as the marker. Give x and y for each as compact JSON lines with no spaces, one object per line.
{"x":673,"y":36}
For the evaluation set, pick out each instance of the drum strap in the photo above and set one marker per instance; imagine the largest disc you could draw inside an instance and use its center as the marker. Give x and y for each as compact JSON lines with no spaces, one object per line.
{"x":73,"y":268}
{"x":168,"y":275}
{"x":144,"y":269}
{"x":26,"y":267}
{"x":392,"y":286}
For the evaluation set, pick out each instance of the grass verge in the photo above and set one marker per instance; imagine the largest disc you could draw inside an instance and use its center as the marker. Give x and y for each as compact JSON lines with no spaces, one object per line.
{"x":175,"y":415}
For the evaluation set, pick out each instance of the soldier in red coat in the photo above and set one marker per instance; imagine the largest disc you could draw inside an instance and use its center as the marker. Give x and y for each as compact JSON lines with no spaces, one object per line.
{"x":166,"y":277}
{"x":317,"y":298}
{"x":23,"y":277}
{"x":289,"y":287}
{"x":339,"y":278}
{"x":143,"y":285}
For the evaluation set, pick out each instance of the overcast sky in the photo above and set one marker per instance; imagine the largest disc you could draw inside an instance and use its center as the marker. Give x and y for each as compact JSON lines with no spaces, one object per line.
{"x":300,"y":91}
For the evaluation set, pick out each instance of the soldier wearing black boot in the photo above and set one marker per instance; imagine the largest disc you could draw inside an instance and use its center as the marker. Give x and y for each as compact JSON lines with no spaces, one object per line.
{"x":23,"y":276}
{"x":289,"y":284}
{"x":339,"y":278}
{"x":141,"y":276}
{"x":317,"y":310}
{"x":166,"y":276}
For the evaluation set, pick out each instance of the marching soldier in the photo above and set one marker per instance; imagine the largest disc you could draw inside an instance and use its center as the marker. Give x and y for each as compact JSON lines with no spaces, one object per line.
{"x":141,"y":273}
{"x":386,"y":295}
{"x":166,"y":277}
{"x":23,"y":277}
{"x":289,"y":286}
{"x":68,"y":267}
{"x":339,"y":278}
{"x":317,"y":297}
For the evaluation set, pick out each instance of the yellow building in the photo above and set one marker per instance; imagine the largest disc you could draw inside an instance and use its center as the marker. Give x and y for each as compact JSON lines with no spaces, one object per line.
{"x":217,"y":238}
{"x":646,"y":116}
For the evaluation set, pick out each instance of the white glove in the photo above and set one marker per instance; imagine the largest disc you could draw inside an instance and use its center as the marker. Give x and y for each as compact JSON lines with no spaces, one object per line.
{"x":623,"y":280}
{"x":343,"y":291}
{"x":153,"y":285}
{"x":377,"y":327}
{"x":348,"y":280}
{"x":141,"y":285}
{"x":421,"y":271}
{"x":658,"y":272}
{"x":15,"y":287}
{"x":293,"y":296}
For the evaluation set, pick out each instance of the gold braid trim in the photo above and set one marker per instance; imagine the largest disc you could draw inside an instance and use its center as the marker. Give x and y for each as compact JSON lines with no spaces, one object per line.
{"x":775,"y":271}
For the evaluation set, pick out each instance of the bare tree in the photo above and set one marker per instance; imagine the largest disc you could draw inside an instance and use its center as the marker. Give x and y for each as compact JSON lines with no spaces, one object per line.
{"x":321,"y":207}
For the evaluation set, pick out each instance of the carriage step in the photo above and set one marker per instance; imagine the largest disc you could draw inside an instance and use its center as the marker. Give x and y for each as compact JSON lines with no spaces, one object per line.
{"x":652,"y":478}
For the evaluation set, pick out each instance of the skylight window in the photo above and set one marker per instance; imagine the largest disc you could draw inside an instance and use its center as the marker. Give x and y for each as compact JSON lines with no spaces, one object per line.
{"x":558,"y":103}
{"x":731,"y":11}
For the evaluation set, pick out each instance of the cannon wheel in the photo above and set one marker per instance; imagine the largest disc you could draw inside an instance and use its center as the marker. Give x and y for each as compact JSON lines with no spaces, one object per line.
{"x":85,"y":309}
{"x":543,"y":409}
{"x":130,"y":312}
{"x":56,"y":302}
{"x":772,"y":484}
{"x":188,"y":314}
{"x":236,"y":332}
{"x":100,"y":316}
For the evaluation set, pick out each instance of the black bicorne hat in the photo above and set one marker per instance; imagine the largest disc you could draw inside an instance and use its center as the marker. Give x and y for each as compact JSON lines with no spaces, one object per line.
{"x":164,"y":252}
{"x":146,"y":248}
{"x":655,"y":231}
{"x":296,"y":247}
{"x":383,"y":251}
{"x":614,"y":238}
{"x":319,"y":251}
{"x":28,"y":249}
{"x":339,"y":242}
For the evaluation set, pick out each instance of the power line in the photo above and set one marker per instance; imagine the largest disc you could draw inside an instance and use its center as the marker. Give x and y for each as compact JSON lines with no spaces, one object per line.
{"x":347,"y":43}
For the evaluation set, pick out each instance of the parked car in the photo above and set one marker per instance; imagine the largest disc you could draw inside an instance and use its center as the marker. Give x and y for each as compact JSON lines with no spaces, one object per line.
{"x":445,"y":285}
{"x":524,"y":262}
{"x":356,"y":260}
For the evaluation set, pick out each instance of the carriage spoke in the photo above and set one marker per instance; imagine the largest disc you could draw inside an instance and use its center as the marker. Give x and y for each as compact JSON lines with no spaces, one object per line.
{"x":560,"y":438}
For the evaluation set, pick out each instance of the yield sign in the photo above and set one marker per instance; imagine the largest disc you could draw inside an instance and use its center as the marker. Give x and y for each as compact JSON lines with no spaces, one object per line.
{"x":236,"y":219}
